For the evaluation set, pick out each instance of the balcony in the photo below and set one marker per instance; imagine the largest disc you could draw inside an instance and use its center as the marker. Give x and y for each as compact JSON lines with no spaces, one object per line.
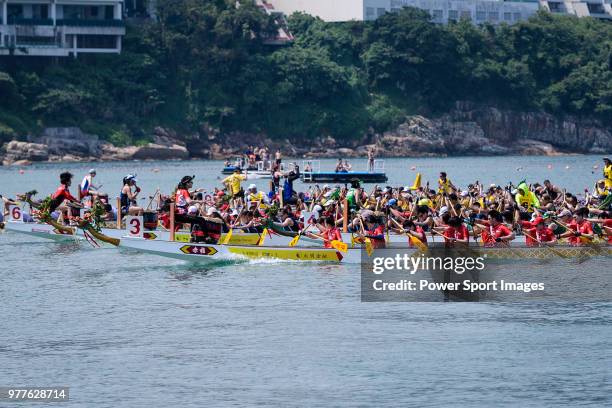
{"x":78,"y":22}
{"x":30,"y":21}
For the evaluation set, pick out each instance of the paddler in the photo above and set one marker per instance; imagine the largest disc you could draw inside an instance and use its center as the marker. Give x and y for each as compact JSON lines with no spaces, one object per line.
{"x":456,"y":232}
{"x":411,"y":229}
{"x":128,"y":197}
{"x":581,"y":230}
{"x":255,"y":198}
{"x":526,"y":198}
{"x":87,"y":188}
{"x":63,"y":194}
{"x":375,"y":231}
{"x":494,"y":232}
{"x":328,"y":232}
{"x":536,"y":232}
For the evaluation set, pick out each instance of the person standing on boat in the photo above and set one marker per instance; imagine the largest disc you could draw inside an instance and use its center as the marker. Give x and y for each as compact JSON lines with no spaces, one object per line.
{"x":233,"y":184}
{"x":289,"y":194}
{"x":87,"y":188}
{"x":445,"y":186}
{"x":370,"y":160}
{"x":61,"y":195}
{"x":128,"y":197}
{"x":607,"y":172}
{"x":278,"y":157}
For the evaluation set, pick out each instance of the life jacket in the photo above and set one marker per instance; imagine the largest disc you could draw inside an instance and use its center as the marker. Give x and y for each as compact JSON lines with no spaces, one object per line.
{"x":444,"y":186}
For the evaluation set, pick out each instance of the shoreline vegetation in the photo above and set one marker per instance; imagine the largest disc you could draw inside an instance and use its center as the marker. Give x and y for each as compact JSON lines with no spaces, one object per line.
{"x":200,"y":82}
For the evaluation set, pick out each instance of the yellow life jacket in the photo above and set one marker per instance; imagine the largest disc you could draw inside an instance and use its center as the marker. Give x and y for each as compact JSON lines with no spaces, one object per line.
{"x":444,"y":186}
{"x":527,"y":200}
{"x":258,"y":198}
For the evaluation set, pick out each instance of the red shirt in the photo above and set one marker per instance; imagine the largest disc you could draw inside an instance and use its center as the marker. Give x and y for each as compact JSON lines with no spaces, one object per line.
{"x":62,"y":192}
{"x":332,"y":234}
{"x":461,"y":233}
{"x":490,"y":235}
{"x":419,"y":231}
{"x":181,"y":197}
{"x":608,"y":233}
{"x":543,"y":235}
{"x":584,"y":228}
{"x":377,"y":236}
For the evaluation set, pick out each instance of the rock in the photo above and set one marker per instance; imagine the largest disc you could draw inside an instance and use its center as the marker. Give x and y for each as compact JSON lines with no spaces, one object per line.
{"x":21,"y":163}
{"x":63,"y":141}
{"x":154,"y":151}
{"x":16,"y":151}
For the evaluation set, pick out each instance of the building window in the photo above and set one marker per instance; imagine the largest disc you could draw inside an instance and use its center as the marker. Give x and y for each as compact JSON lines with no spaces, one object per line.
{"x":97,"y":41}
{"x":370,"y":13}
{"x":466,"y":15}
{"x":453,"y":15}
{"x":380,"y":11}
{"x":517,"y":17}
{"x":395,"y":10}
{"x":493,"y":16}
{"x":507,"y":16}
{"x":596,"y":8}
{"x":481,"y":15}
{"x":438,"y":15}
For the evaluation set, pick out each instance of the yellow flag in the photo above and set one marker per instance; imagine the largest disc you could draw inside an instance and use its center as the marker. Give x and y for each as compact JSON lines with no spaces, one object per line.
{"x":339,"y":245}
{"x":368,"y":246}
{"x":262,"y":239}
{"x":228,"y":237}
{"x":294,"y":241}
{"x":417,"y":182}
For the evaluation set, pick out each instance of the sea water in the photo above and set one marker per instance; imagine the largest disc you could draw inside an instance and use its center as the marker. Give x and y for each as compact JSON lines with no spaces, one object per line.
{"x":124,"y":329}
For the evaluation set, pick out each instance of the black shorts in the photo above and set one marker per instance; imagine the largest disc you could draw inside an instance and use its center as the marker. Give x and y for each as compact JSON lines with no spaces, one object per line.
{"x":239,"y":194}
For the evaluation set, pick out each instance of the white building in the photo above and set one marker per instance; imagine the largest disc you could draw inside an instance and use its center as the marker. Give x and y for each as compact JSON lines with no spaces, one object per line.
{"x":589,"y":8}
{"x":443,"y":11}
{"x":60,"y":28}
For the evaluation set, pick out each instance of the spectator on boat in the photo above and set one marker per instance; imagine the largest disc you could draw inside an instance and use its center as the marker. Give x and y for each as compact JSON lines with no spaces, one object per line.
{"x":128,"y":197}
{"x":370,"y":160}
{"x":278,"y":157}
{"x":340,"y":167}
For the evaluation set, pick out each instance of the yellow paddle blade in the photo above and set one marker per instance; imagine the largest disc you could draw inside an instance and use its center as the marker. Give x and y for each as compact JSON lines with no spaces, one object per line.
{"x":418,"y":243}
{"x":263,"y":237}
{"x":227,"y":237}
{"x":294,"y":241}
{"x":417,"y":182}
{"x":368,"y":246}
{"x":339,"y":245}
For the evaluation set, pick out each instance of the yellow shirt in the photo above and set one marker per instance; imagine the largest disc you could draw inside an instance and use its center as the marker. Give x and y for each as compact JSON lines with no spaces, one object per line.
{"x":234,"y":182}
{"x":608,"y":175}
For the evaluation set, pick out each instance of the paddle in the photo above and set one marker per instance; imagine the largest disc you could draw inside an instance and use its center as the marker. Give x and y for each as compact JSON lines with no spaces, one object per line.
{"x":336,"y":244}
{"x":540,"y":244}
{"x":414,"y":240}
{"x":367,"y":241}
{"x":295,"y":239}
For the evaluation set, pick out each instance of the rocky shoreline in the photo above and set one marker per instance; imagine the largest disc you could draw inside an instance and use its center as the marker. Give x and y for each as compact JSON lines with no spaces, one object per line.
{"x":468,"y":129}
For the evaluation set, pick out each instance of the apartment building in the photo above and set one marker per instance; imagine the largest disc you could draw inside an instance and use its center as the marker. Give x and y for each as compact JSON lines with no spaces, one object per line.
{"x":444,"y":11}
{"x":60,"y":28}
